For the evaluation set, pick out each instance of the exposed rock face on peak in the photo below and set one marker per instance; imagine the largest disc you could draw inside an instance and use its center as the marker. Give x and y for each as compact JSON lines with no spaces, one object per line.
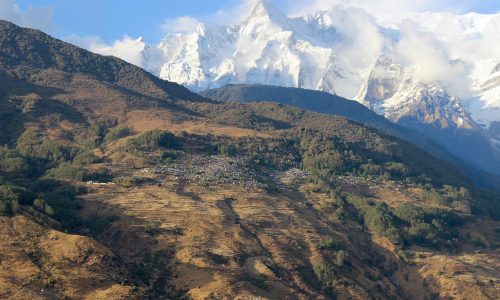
{"x":382,"y":83}
{"x":398,"y":94}
{"x":428,"y":104}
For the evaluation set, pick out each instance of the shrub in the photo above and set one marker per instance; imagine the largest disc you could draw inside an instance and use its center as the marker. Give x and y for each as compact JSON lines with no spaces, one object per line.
{"x":462,"y":207}
{"x":67,"y":171}
{"x":16,"y":195}
{"x":85,"y":157}
{"x":326,"y":243}
{"x":324,"y":273}
{"x":100,"y":175}
{"x":397,"y":170}
{"x":378,"y":217}
{"x":51,"y":151}
{"x":63,"y":201}
{"x":227,"y":150}
{"x":97,"y":223}
{"x":433,"y":196}
{"x":426,"y":226}
{"x":129,"y":181}
{"x":152,"y":140}
{"x":39,"y":204}
{"x":44,"y":185}
{"x":42,"y":206}
{"x":117,"y":133}
{"x":28,"y":140}
{"x":14,"y":165}
{"x":152,"y":227}
{"x":168,"y":156}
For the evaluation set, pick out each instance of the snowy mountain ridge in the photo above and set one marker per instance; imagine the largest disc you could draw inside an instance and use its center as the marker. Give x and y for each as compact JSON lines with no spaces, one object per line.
{"x":345,"y":51}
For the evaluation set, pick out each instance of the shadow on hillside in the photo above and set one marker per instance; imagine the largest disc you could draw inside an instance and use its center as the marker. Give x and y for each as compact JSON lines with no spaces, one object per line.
{"x":134,"y":241}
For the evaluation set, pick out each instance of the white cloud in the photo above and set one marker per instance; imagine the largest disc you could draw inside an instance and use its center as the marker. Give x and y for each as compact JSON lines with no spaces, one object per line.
{"x":127,"y":48}
{"x":361,"y":40}
{"x":444,"y":46}
{"x":86,"y":42}
{"x":235,"y":13}
{"x":434,"y":63}
{"x":180,"y":25}
{"x":39,"y":18}
{"x":389,"y":10}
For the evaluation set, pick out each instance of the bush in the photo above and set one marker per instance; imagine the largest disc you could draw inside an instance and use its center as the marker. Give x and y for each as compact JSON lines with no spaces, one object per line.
{"x":100,"y":175}
{"x":51,"y":151}
{"x":152,"y":140}
{"x":152,"y":227}
{"x":98,"y":223}
{"x":462,"y":207}
{"x":129,"y":181}
{"x":168,"y":156}
{"x":117,"y":133}
{"x":433,"y":196}
{"x":85,"y":157}
{"x":227,"y":150}
{"x":14,"y":165}
{"x":42,"y":206}
{"x":426,"y":226}
{"x":326,"y":243}
{"x":63,"y":201}
{"x":16,"y":195}
{"x":67,"y":171}
{"x":324,"y":273}
{"x":44,"y":185}
{"x":377,"y":217}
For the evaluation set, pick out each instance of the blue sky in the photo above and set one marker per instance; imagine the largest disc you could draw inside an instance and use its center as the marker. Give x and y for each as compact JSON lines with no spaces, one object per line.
{"x":112,"y":19}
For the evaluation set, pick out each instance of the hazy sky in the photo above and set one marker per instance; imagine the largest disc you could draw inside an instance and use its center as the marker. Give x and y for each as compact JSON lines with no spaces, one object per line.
{"x":110,"y":20}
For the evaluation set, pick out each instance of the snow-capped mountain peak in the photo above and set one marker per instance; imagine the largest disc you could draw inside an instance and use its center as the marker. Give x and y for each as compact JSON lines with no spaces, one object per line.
{"x":318,"y":51}
{"x":265,"y":11}
{"x":265,"y":47}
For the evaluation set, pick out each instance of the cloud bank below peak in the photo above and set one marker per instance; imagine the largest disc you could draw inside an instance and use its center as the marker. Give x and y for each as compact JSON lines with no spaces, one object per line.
{"x":127,"y":48}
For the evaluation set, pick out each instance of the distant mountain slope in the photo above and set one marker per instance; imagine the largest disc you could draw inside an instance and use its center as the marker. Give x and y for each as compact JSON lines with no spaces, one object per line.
{"x":306,"y":99}
{"x":25,"y":50}
{"x":322,"y":102}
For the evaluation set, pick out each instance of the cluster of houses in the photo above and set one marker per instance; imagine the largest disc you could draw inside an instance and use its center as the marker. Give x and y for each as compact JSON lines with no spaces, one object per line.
{"x":211,"y":170}
{"x":289,"y":178}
